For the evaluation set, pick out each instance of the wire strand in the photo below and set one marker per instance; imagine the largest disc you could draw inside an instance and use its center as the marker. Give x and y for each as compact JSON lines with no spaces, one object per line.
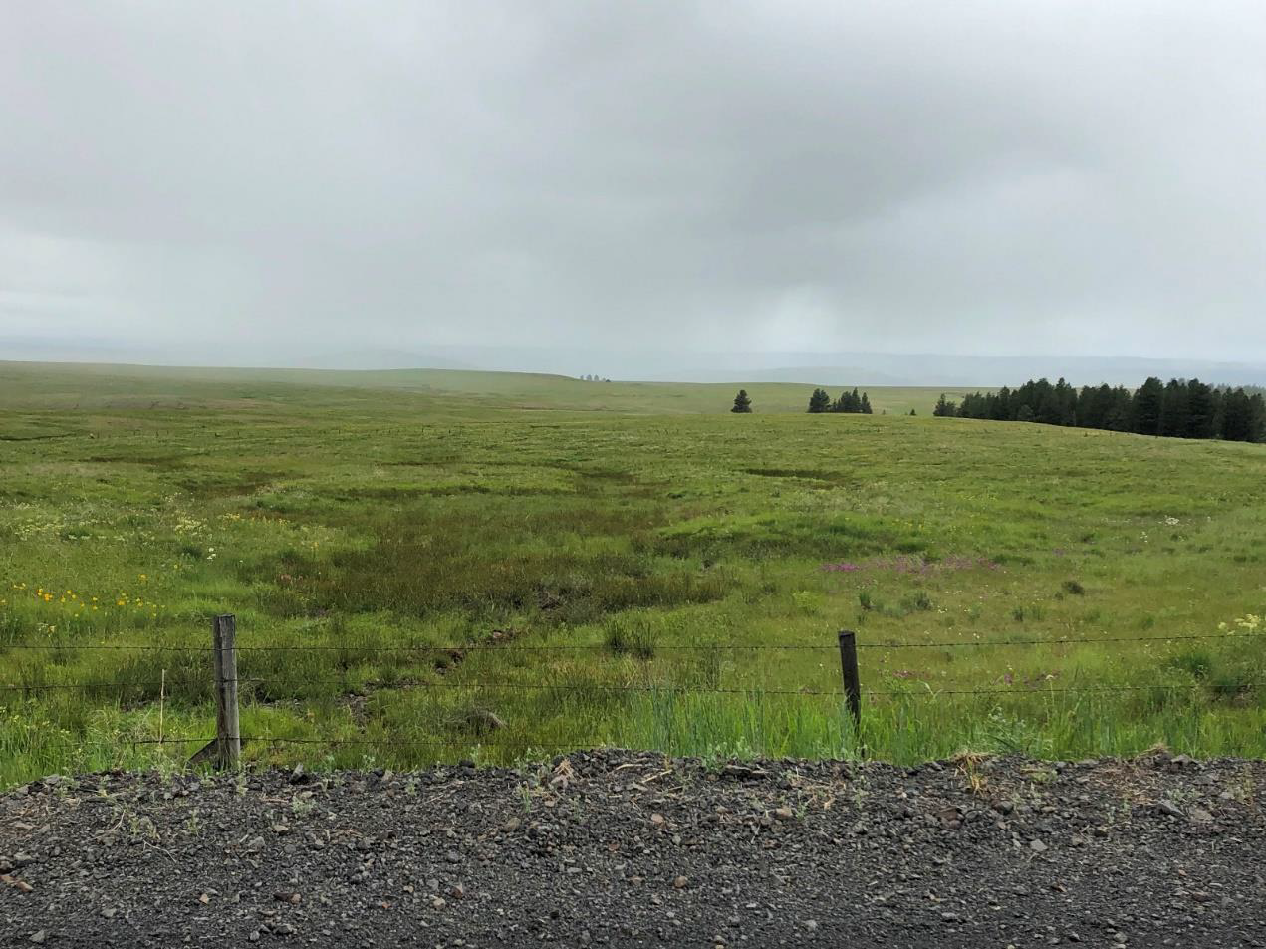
{"x":1047,"y":642}
{"x":561,"y":647}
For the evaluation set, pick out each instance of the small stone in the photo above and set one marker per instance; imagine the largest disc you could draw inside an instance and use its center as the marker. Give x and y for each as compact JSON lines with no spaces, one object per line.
{"x":512,"y":825}
{"x":1003,"y":807}
{"x":438,"y":902}
{"x":1169,"y":808}
{"x":680,"y":882}
{"x":950,"y":917}
{"x":811,"y":925}
{"x":784,"y":813}
{"x":255,"y":844}
{"x":39,"y":937}
{"x":1200,"y":816}
{"x":109,"y":912}
{"x":1037,"y":846}
{"x":294,"y":899}
{"x":453,"y":857}
{"x":254,"y":936}
{"x":657,"y":820}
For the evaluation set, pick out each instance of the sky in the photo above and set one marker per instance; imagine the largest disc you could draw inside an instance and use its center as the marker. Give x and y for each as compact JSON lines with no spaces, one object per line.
{"x":270,"y":182}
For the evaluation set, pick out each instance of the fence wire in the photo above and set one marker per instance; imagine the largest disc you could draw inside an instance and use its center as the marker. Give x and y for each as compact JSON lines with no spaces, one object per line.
{"x":921,"y":692}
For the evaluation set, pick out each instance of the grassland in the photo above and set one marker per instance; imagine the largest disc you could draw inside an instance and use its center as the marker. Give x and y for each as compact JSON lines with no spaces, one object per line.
{"x":497,"y":565}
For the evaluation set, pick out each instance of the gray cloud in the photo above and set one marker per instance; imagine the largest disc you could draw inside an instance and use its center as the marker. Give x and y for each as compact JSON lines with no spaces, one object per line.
{"x":268,"y":181}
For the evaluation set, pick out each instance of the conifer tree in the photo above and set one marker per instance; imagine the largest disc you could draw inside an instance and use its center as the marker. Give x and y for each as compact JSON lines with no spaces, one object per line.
{"x":1147,"y":407}
{"x":1257,"y":427}
{"x":741,"y":402}
{"x":866,"y":407}
{"x":819,"y":401}
{"x":1200,"y":410}
{"x":1174,"y":415}
{"x":1237,"y":416}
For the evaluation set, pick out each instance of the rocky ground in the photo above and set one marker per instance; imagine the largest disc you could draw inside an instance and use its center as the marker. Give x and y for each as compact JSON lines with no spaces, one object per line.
{"x":626,"y":849}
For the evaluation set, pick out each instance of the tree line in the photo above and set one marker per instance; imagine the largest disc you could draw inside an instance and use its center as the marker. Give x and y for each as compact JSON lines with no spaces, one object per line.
{"x":1181,"y":408}
{"x":858,"y":403}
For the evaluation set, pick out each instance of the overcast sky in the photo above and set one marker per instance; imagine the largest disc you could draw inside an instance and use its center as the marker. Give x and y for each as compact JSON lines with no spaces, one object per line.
{"x":272,"y":179}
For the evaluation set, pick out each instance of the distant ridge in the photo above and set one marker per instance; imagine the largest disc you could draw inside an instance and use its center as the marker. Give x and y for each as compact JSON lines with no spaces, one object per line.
{"x":817,"y":368}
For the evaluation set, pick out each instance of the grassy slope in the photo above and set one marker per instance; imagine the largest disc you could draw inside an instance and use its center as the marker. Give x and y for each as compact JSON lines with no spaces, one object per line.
{"x":352,"y":517}
{"x":67,"y":384}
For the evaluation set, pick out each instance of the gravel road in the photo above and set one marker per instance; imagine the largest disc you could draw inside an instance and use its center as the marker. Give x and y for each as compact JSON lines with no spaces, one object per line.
{"x":618,"y":848}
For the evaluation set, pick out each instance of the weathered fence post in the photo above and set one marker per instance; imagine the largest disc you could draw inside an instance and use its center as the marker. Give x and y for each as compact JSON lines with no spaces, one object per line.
{"x":852,"y":681}
{"x":228,"y":739}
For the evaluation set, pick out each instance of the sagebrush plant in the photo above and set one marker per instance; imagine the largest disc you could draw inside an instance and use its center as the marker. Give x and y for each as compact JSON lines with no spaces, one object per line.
{"x":458,"y":530}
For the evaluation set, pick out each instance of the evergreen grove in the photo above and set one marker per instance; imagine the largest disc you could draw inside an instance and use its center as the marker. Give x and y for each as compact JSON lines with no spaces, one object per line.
{"x":820,"y":401}
{"x":1181,"y":408}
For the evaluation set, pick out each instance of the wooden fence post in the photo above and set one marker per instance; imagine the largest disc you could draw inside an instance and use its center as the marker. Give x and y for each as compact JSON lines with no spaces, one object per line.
{"x":852,"y":680}
{"x":228,"y":739}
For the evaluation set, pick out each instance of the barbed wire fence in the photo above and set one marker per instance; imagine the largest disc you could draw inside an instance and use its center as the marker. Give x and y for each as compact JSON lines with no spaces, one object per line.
{"x":223,"y":749}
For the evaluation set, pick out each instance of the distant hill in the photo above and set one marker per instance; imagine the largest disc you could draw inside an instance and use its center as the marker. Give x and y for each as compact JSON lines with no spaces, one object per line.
{"x":45,"y":385}
{"x":379,"y":359}
{"x":811,"y":368}
{"x":928,"y":369}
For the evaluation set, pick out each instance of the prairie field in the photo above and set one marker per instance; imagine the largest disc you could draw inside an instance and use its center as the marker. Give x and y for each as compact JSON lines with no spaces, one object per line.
{"x":432,"y":565}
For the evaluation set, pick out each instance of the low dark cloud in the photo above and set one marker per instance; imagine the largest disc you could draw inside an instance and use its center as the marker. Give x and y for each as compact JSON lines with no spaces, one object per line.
{"x":277,"y":180}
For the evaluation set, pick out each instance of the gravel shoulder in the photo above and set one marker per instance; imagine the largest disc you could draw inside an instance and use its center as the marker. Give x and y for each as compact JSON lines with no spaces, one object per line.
{"x":618,"y":848}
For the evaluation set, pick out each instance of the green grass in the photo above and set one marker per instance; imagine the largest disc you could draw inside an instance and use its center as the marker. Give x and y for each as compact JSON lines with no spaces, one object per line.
{"x":80,"y":386}
{"x":468,"y":520}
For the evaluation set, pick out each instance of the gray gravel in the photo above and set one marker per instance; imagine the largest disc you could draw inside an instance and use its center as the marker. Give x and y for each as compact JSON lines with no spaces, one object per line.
{"x":628,"y":849}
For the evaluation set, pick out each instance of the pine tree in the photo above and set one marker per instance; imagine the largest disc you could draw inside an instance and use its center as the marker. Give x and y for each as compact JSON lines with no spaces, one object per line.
{"x":866,"y":407}
{"x":843,"y":404}
{"x":944,"y":408}
{"x":1120,"y":409}
{"x":1147,"y":407}
{"x":741,"y":402}
{"x":1237,"y":416}
{"x":1174,"y":413}
{"x":1200,"y":410}
{"x":1065,"y":403}
{"x":819,"y":401}
{"x":1257,"y":428}
{"x":912,"y":411}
